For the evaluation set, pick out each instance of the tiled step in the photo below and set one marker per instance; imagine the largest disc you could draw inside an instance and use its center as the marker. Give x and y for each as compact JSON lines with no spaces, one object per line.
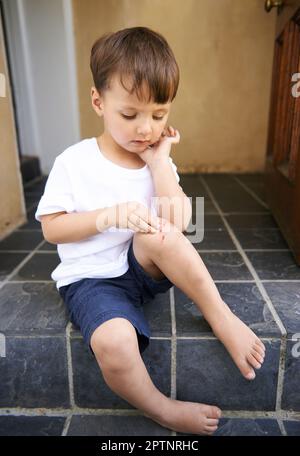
{"x":51,"y":383}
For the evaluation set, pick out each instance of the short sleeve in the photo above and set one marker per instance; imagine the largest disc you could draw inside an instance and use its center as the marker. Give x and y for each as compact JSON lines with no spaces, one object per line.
{"x":175,"y":170}
{"x":57,"y":196}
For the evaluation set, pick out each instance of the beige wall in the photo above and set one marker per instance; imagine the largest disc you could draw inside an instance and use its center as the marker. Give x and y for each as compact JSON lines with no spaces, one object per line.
{"x":12,"y":209}
{"x":224,"y":49}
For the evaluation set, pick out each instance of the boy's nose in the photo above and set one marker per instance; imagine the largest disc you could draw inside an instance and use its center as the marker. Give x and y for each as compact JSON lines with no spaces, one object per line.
{"x":144,"y":130}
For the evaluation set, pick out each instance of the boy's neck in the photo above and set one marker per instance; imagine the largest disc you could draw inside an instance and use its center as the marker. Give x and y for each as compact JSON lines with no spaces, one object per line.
{"x":118,"y":155}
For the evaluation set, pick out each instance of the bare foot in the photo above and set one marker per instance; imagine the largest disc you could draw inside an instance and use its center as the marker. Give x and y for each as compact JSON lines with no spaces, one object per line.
{"x":189,"y":417}
{"x":245,"y":348}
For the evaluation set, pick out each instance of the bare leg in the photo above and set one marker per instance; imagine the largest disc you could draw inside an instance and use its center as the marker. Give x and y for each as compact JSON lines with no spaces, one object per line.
{"x":169,"y":253}
{"x":115,"y":346}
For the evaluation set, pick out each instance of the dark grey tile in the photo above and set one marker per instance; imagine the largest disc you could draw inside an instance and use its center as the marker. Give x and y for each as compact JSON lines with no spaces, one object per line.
{"x":231,"y":196}
{"x":91,"y":425}
{"x":213,"y":222}
{"x":31,"y":308}
{"x":274,"y":265}
{"x":285,"y":297}
{"x":209,"y":207}
{"x":254,"y":182}
{"x":39,"y":267}
{"x":31,"y":200}
{"x":261,"y":239}
{"x":34,"y":373}
{"x":31,"y":425}
{"x":205,"y":220}
{"x":292,"y":427}
{"x":9,"y":261}
{"x":90,"y":388}
{"x":207,"y":374}
{"x":250,"y":221}
{"x":248,"y":427}
{"x":291,"y":385}
{"x":22,"y":240}
{"x":189,"y":320}
{"x":31,"y":223}
{"x":260,"y":191}
{"x":250,"y":178}
{"x":258,"y":188}
{"x":220,"y":181}
{"x":226,"y":266}
{"x":245,"y":301}
{"x":215,"y":240}
{"x":48,"y":246}
{"x":238,"y":201}
{"x":158,"y":314}
{"x":37,"y":186}
{"x":192,"y":186}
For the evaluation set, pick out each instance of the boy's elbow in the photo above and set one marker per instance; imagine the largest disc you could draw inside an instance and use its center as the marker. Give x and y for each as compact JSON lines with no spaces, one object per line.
{"x":48,"y":237}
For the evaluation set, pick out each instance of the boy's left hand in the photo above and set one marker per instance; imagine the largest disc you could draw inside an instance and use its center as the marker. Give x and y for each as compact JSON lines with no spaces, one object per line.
{"x":160,"y":150}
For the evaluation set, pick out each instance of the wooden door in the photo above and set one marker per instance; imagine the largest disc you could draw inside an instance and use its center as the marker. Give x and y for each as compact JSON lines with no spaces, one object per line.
{"x":282,"y":176}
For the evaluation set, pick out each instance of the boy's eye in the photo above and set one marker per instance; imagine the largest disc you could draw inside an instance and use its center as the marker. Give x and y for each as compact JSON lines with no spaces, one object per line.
{"x":132,"y":117}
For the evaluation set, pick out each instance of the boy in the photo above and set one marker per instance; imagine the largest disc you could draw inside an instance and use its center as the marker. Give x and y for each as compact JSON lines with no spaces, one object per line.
{"x":115,"y":249}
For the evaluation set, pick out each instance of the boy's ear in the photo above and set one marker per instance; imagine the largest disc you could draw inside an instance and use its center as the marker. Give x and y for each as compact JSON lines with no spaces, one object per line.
{"x":96,"y":101}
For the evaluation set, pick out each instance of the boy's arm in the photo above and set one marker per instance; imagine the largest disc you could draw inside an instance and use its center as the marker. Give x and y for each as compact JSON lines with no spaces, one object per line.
{"x":174,"y":205}
{"x":63,"y":227}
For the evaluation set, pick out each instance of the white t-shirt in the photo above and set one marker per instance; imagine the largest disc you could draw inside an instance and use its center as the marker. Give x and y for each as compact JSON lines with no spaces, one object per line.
{"x":83,"y":179}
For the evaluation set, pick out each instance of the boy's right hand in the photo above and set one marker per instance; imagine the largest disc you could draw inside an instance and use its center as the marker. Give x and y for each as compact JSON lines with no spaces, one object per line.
{"x":135,"y":216}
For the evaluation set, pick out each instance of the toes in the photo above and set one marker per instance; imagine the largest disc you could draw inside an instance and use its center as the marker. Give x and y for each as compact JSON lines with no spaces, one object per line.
{"x":214,"y":412}
{"x":210,"y":429}
{"x":212,"y":422}
{"x":259,"y":343}
{"x":247,"y":371}
{"x":258,"y":356}
{"x":259,"y":350}
{"x":253,"y":361}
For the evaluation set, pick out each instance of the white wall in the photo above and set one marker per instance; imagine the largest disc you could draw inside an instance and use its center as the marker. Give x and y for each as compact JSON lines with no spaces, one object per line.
{"x":41,"y":49}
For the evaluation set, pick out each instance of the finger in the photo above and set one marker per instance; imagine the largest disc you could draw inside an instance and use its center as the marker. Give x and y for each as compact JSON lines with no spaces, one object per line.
{"x":137,"y":228}
{"x":173,"y":133}
{"x":146,"y":215}
{"x":141,"y":224}
{"x":132,"y":226}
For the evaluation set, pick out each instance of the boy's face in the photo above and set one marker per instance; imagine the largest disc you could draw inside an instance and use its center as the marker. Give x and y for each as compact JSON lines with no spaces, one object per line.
{"x":127,"y":120}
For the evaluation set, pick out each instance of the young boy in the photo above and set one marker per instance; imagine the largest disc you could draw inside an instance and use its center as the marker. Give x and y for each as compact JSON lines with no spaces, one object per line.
{"x":116,"y":250}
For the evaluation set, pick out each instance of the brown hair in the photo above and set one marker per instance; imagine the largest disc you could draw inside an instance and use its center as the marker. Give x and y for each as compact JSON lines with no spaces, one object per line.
{"x":141,"y":54}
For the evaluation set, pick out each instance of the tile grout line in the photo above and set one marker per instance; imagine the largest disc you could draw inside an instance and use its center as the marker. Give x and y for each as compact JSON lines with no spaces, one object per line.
{"x":173,"y":349}
{"x":70,"y":378}
{"x":281,"y":426}
{"x":251,"y":192}
{"x":20,"y":265}
{"x":66,"y":425}
{"x":247,"y":262}
{"x":281,"y":371}
{"x":70,"y":364}
{"x":283,"y":415}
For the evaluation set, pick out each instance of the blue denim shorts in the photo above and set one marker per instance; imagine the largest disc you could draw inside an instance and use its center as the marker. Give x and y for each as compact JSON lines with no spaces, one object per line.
{"x":91,"y":302}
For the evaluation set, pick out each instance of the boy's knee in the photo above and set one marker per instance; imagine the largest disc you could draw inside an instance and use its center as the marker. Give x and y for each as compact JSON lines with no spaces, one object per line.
{"x":157,"y":242}
{"x":114,"y":343}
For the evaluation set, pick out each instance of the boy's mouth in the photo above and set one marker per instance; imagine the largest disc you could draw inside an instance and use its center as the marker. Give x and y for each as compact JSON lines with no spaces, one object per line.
{"x":141,"y":142}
